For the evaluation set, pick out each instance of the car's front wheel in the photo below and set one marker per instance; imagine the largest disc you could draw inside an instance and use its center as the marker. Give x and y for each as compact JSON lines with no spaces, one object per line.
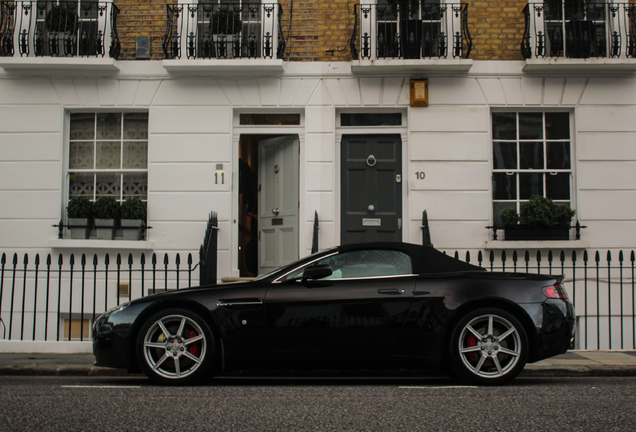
{"x":488,"y":346}
{"x":175,"y":346}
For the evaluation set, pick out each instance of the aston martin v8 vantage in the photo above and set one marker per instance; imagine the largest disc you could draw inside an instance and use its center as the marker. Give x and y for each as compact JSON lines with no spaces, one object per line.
{"x":374,"y":305}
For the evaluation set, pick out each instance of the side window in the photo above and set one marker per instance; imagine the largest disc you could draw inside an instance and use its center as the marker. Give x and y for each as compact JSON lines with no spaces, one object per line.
{"x":366,"y":264}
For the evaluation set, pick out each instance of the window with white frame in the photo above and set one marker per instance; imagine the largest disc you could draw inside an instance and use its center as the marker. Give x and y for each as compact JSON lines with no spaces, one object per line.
{"x":108,"y":155}
{"x":532,"y":155}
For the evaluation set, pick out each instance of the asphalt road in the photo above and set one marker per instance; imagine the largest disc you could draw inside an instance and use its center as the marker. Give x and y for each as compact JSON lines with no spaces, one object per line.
{"x":316,"y":404}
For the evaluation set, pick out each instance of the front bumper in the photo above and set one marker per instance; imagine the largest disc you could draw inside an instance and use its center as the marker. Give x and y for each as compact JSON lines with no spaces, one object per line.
{"x":113,"y":337}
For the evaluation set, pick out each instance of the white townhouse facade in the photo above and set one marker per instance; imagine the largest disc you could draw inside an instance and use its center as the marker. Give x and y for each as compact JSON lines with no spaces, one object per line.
{"x":273,"y":141}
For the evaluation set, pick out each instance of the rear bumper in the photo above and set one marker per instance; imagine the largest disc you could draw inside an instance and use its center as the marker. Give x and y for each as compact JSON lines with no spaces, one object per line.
{"x":555,"y":330}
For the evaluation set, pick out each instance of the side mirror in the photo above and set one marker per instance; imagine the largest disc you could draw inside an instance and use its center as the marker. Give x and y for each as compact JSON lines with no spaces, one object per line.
{"x":317,"y":272}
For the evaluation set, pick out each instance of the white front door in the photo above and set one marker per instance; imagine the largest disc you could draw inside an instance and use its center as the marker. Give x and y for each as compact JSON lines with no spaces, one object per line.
{"x":277,"y":202}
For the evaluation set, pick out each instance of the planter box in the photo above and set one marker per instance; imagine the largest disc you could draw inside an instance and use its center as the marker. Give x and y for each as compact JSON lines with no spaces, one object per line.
{"x":132,"y":229}
{"x":524,"y":232}
{"x":105,"y":229}
{"x":79,"y":228}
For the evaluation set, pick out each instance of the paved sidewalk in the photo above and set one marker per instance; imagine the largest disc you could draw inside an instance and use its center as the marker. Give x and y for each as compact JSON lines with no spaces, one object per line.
{"x":574,"y":363}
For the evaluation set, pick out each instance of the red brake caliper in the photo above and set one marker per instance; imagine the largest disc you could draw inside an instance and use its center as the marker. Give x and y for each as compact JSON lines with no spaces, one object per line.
{"x":471,"y":341}
{"x":194,"y":348}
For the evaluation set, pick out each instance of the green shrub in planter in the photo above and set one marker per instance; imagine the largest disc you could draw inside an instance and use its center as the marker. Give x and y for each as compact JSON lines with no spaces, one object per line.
{"x":133,"y":217}
{"x":80,"y":213}
{"x":541,"y":219}
{"x":509,"y":217}
{"x":80,"y":207}
{"x":133,"y":208}
{"x":106,"y":208}
{"x":542,"y":211}
{"x":106,"y":212}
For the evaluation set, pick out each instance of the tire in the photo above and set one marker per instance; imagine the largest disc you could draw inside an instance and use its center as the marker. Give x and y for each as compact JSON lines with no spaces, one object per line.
{"x":176,"y":347}
{"x":489,"y":346}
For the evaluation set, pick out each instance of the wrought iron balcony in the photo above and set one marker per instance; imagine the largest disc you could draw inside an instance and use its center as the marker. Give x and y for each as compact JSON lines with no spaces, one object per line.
{"x":223,"y":31}
{"x":579,"y":29}
{"x":58,"y":29}
{"x":411,"y":29}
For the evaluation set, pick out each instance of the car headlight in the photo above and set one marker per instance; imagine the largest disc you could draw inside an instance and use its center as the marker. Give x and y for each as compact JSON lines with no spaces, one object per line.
{"x":113,"y":310}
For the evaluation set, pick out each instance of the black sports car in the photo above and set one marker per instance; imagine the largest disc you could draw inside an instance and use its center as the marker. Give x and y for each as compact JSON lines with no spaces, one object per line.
{"x":378,"y":305}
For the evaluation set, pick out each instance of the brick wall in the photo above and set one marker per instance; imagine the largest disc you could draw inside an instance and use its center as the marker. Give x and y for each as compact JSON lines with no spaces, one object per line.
{"x":497,"y":28}
{"x":320,"y":29}
{"x":141,"y":17}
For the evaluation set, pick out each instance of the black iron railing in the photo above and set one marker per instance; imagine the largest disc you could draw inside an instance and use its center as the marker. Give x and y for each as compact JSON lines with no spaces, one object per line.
{"x":59,"y":29}
{"x":45,"y":299}
{"x":411,"y":30}
{"x":224,"y":31}
{"x":580,"y":29}
{"x":208,"y":251}
{"x":40,"y":300}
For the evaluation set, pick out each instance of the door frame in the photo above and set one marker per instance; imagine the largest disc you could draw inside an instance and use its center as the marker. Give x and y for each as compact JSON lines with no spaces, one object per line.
{"x":401,"y":130}
{"x":275,"y":130}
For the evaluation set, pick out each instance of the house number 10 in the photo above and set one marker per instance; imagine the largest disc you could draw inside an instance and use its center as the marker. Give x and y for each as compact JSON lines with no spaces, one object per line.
{"x":420,"y":175}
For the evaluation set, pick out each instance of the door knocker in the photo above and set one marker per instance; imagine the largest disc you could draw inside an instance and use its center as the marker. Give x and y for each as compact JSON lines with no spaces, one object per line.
{"x":371,"y":160}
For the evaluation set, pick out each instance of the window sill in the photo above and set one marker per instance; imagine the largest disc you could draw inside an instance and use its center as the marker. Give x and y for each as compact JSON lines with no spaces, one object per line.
{"x":225,"y":67}
{"x":536,"y":244}
{"x":585,"y":66}
{"x":141,"y":245}
{"x":380,"y":67}
{"x":47,"y":64}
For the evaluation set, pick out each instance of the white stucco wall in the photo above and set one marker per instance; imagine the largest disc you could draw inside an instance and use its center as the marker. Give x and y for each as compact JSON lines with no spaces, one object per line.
{"x":191,"y":130}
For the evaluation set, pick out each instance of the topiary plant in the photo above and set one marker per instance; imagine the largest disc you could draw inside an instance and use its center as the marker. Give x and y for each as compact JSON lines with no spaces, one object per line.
{"x":509,"y":217}
{"x":133,"y":208}
{"x":542,"y":211}
{"x":106,"y":208}
{"x":80,"y":207}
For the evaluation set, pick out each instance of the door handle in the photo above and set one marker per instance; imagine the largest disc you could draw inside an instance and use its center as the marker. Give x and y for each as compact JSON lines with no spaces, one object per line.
{"x":390,"y":291}
{"x":275,"y":211}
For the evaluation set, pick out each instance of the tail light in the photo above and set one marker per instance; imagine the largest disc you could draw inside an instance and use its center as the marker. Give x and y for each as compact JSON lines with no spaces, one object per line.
{"x":555,"y":291}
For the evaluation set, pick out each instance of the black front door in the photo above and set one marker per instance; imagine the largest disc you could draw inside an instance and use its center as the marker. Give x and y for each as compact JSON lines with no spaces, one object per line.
{"x":371,"y":203}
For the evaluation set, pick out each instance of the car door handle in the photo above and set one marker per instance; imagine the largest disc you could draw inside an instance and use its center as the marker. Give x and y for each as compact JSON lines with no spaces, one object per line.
{"x":390,"y":291}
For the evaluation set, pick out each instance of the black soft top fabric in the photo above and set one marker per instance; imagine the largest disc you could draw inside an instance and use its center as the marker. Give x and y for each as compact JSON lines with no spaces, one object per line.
{"x":425,"y":259}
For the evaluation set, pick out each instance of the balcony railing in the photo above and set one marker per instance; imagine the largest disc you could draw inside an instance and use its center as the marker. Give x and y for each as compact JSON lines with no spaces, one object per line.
{"x":411,"y":30}
{"x":223,"y":31}
{"x":58,"y":29}
{"x":579,"y":29}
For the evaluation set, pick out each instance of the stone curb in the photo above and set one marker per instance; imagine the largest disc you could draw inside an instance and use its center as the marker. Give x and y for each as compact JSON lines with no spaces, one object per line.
{"x":531,"y":372}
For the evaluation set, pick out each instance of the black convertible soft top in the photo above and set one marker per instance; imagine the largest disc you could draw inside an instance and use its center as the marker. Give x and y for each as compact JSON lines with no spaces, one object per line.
{"x":426,"y":259}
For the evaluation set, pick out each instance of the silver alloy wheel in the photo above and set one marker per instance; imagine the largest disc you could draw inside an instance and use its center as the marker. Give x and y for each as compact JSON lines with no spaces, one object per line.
{"x":174,"y":346}
{"x":490,"y":346}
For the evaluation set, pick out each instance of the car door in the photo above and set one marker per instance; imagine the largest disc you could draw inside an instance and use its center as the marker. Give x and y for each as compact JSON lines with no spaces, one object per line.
{"x":363,"y":304}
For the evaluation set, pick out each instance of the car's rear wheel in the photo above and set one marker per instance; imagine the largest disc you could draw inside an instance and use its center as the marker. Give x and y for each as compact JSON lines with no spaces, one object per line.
{"x":175,"y":346}
{"x":488,"y":346}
